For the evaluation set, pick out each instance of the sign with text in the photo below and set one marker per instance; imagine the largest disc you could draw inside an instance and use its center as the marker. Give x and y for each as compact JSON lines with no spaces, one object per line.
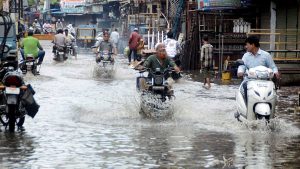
{"x":72,"y":6}
{"x":218,"y":4}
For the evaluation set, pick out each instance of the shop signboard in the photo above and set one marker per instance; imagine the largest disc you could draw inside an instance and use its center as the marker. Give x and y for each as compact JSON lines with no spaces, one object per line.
{"x":72,"y":6}
{"x":218,"y":4}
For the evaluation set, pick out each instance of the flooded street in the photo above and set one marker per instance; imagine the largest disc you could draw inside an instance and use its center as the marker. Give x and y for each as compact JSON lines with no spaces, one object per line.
{"x":90,"y":122}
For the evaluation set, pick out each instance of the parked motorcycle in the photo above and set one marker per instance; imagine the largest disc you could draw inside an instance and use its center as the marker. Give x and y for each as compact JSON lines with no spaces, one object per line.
{"x":260,"y":99}
{"x":30,"y":64}
{"x":155,"y":93}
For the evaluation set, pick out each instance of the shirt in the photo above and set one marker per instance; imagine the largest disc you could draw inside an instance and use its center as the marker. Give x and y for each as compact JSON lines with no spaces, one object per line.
{"x":153,"y":62}
{"x":133,"y":40}
{"x":172,"y":47}
{"x":60,"y":39}
{"x":106,"y":45}
{"x":261,"y":58}
{"x":59,"y":25}
{"x":69,"y":38}
{"x":114,"y":36}
{"x":206,"y":55}
{"x":31,"y":46}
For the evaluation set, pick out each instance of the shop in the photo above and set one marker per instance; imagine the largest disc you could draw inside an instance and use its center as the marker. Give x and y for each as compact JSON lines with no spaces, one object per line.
{"x":226,"y":25}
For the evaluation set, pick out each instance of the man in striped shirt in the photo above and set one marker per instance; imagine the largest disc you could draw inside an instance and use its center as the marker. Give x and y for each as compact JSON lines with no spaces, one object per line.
{"x":206,"y":60}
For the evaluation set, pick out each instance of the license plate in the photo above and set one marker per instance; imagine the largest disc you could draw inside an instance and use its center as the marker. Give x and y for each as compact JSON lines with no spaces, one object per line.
{"x":12,"y":90}
{"x":61,"y":53}
{"x":29,"y":63}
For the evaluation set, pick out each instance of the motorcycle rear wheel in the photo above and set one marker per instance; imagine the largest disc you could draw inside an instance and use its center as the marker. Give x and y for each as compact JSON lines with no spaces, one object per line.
{"x":9,"y":119}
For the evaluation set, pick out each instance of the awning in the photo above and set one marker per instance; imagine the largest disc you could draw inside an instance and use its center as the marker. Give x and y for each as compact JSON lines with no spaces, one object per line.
{"x":58,"y":12}
{"x":74,"y":14}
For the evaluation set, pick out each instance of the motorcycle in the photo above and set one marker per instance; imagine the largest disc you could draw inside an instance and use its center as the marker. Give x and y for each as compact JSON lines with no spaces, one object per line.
{"x":30,"y":64}
{"x":155,"y":92}
{"x":106,"y":58}
{"x":70,"y":50}
{"x":260,"y":99}
{"x":12,"y":110}
{"x":60,"y":53}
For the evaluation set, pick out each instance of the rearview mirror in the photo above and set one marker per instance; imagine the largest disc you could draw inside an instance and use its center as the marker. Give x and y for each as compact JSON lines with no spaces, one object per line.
{"x":239,"y":62}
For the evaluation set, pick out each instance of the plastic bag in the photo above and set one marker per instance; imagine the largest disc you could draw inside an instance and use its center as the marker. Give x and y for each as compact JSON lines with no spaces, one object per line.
{"x":29,"y":102}
{"x":126,"y":51}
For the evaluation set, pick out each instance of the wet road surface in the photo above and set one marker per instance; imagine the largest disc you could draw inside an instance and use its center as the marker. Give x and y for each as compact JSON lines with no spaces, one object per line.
{"x":91,"y":122}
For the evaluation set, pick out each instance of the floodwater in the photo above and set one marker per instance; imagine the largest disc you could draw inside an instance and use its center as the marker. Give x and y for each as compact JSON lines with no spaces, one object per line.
{"x":87,"y":121}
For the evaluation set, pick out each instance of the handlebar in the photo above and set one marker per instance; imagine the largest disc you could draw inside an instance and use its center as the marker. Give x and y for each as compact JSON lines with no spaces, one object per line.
{"x":144,"y":69}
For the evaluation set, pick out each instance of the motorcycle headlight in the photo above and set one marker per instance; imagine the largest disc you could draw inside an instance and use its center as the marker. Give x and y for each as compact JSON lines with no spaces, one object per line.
{"x":105,"y":57}
{"x":158,"y":80}
{"x":270,"y":92}
{"x":6,"y":49}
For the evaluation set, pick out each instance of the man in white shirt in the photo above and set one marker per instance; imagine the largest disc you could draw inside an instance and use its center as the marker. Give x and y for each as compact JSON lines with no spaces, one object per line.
{"x":172,"y":48}
{"x":114,"y":36}
{"x":59,"y":25}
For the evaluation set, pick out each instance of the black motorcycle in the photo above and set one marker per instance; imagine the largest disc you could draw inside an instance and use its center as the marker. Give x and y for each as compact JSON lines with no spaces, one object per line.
{"x":16,"y":98}
{"x":156,"y":83}
{"x":30,"y":64}
{"x":60,"y":53}
{"x":155,"y":92}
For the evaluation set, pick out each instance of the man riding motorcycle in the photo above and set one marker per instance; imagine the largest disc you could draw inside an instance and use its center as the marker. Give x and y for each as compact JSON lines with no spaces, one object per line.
{"x":105,"y":45}
{"x":36,"y":27}
{"x":71,"y":30}
{"x":70,"y":41}
{"x":255,"y":57}
{"x":59,"y":41}
{"x":159,"y":60}
{"x":31,"y":45}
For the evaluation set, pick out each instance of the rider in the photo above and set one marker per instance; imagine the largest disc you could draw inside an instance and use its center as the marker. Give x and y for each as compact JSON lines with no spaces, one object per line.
{"x":255,"y":57}
{"x":106,"y":45}
{"x":47,"y":28}
{"x":69,"y":40}
{"x":160,"y":60}
{"x":36,"y":26}
{"x":59,"y":25}
{"x":31,"y":45}
{"x":59,"y":40}
{"x":71,"y":29}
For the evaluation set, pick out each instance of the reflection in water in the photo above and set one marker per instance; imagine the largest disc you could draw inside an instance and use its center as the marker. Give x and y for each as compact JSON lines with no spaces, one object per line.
{"x":181,"y":146}
{"x":263,"y":150}
{"x":15,"y":146}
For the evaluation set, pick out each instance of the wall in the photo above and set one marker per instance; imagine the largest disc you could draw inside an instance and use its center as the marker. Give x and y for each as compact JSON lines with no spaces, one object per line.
{"x":288,"y":18}
{"x":77,"y":19}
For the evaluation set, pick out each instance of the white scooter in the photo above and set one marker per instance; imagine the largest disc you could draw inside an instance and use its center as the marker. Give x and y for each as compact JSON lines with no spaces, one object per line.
{"x":261,"y":96}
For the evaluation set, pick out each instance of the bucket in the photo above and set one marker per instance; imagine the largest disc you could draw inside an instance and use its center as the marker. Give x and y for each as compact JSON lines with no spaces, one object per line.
{"x":226,"y":75}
